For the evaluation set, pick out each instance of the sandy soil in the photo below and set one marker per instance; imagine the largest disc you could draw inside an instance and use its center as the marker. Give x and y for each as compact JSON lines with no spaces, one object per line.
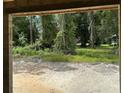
{"x":35,"y":76}
{"x":26,"y":83}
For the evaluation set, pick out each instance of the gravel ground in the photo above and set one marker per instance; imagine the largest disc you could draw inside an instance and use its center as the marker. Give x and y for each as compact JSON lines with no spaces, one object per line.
{"x":31,"y":75}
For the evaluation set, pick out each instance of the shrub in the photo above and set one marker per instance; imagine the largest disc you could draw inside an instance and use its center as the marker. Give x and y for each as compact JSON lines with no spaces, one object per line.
{"x":24,"y":51}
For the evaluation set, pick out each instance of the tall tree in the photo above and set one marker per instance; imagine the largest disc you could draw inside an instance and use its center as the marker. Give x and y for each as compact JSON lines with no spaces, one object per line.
{"x":20,"y":29}
{"x":25,"y":27}
{"x":31,"y":29}
{"x":65,"y":40}
{"x":91,"y":28}
{"x":82,"y":33}
{"x":108,"y":24}
{"x":49,"y":27}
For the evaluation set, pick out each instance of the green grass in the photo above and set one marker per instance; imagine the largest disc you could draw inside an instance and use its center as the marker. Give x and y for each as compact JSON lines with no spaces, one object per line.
{"x":106,"y":54}
{"x":24,"y":51}
{"x":84,"y":55}
{"x":107,"y":46}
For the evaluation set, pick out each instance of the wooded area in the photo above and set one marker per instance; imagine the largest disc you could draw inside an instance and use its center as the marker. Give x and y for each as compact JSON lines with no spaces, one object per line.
{"x":64,"y":33}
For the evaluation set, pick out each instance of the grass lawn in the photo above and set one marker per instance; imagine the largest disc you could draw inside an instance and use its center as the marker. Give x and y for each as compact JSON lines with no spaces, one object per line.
{"x":85,"y":55}
{"x":101,"y":54}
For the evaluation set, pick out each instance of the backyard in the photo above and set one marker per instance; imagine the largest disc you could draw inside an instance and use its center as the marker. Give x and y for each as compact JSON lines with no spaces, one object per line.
{"x":66,"y":53}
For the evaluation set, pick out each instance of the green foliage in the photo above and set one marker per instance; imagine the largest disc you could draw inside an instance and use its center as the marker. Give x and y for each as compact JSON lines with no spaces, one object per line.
{"x":65,"y":39}
{"x":106,"y":25}
{"x":49,"y":27}
{"x":82,"y":33}
{"x":22,"y":40}
{"x":60,"y":46}
{"x":75,"y":27}
{"x":84,"y":55}
{"x":38,"y":45}
{"x":21,"y":30}
{"x":55,"y":36}
{"x":55,"y":58}
{"x":24,"y":51}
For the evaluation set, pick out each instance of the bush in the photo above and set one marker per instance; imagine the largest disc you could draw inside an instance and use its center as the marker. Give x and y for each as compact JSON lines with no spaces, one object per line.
{"x":64,"y":44}
{"x":24,"y":51}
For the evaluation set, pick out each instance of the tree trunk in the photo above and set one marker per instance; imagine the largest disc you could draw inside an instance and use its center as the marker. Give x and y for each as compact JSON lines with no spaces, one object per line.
{"x":62,"y":27}
{"x":91,"y":29}
{"x":31,"y":30}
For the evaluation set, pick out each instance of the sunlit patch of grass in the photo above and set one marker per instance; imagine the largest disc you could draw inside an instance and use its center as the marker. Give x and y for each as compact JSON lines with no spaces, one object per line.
{"x":24,"y":51}
{"x":55,"y":58}
{"x":77,"y":58}
{"x":85,"y":55}
{"x":107,"y":46}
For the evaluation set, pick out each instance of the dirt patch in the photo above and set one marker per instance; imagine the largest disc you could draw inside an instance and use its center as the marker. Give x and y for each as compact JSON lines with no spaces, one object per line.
{"x":64,"y":77}
{"x":26,"y":83}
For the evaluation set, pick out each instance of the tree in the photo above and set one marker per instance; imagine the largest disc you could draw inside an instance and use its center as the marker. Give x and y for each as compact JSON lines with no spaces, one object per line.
{"x":108,"y":24}
{"x":49,"y":30}
{"x":20,"y":27}
{"x":82,"y":33}
{"x":91,"y":29}
{"x":22,"y":40}
{"x":25,"y":27}
{"x":65,"y":40}
{"x":31,"y":30}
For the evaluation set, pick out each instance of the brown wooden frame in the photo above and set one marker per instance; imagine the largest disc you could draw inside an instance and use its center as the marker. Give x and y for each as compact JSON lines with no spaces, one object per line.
{"x":29,"y":7}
